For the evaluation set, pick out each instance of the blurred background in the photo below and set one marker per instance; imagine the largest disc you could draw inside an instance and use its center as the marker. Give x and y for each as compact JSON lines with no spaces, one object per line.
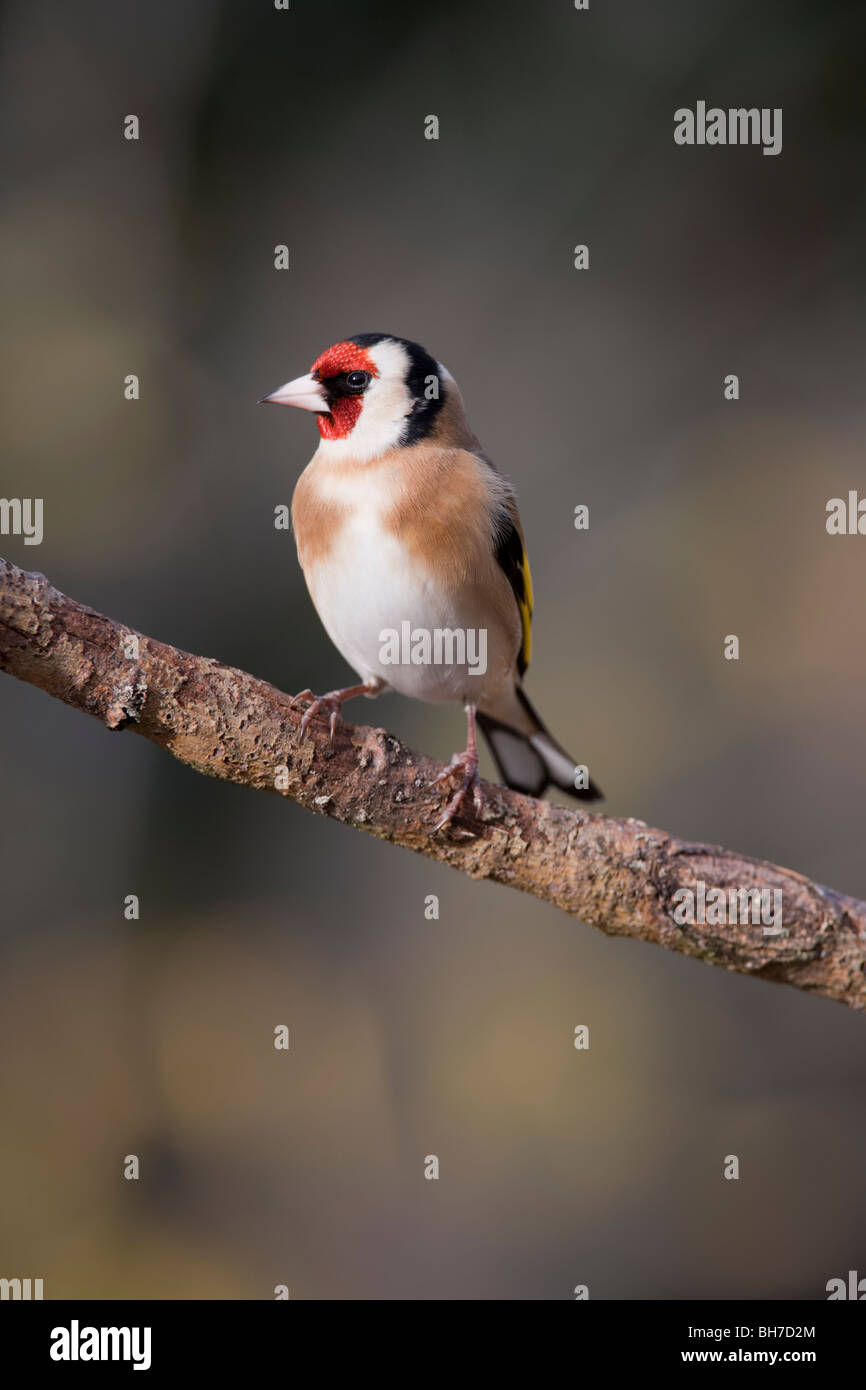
{"x":707,"y":518}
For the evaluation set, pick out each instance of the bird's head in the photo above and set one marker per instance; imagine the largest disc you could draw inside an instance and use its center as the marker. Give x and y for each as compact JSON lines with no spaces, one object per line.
{"x":371,"y":393}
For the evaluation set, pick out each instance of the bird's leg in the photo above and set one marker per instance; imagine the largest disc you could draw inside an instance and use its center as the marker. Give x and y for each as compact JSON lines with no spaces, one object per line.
{"x":466,"y":763}
{"x":333,"y":702}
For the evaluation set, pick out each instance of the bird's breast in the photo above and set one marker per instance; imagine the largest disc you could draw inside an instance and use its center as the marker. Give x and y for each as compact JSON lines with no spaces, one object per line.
{"x":380,"y":564}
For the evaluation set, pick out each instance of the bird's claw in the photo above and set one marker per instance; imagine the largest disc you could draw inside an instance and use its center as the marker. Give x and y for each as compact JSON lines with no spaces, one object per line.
{"x":467,"y":764}
{"x":332,"y":702}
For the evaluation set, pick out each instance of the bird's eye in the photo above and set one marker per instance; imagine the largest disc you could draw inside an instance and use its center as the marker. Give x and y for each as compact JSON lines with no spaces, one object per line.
{"x":356,"y":381}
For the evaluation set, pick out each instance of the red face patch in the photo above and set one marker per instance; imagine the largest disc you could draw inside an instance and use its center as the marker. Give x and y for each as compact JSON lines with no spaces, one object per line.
{"x":342,"y":357}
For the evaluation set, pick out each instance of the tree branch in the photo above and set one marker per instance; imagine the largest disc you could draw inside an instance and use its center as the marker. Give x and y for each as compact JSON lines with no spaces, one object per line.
{"x":617,"y":875}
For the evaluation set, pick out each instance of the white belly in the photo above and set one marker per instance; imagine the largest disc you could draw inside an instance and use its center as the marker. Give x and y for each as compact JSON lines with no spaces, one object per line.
{"x":369,"y":588}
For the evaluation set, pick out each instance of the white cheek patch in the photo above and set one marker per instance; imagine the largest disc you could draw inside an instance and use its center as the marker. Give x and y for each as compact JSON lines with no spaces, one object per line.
{"x":386,"y":404}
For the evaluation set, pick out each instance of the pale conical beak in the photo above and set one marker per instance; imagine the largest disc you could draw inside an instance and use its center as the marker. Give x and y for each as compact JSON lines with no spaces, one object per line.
{"x":304,"y":392}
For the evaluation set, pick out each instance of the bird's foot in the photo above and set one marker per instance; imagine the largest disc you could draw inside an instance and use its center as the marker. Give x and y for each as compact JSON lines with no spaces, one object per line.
{"x":332,"y":703}
{"x":466,"y":764}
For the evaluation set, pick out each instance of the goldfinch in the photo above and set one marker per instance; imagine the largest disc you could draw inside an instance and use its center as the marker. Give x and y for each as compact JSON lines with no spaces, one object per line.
{"x":405,"y":530}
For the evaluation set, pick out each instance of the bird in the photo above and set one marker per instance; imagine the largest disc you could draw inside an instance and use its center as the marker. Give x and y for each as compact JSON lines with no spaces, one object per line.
{"x":405,"y":529}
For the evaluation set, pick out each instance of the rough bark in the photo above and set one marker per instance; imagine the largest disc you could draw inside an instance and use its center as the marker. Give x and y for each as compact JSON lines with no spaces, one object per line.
{"x":618,"y":875}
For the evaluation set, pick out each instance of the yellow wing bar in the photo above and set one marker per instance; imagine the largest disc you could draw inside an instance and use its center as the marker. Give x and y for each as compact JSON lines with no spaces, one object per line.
{"x":525,"y":606}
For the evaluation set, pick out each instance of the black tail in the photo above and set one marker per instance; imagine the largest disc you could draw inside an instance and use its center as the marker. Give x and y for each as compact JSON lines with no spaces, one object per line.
{"x":532,"y":762}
